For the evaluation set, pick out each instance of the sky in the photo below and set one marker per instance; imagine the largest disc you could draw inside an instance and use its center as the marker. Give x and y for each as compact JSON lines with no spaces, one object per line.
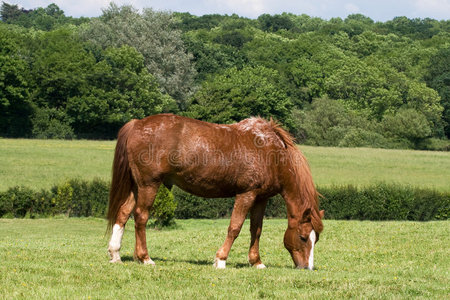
{"x":378,"y":10}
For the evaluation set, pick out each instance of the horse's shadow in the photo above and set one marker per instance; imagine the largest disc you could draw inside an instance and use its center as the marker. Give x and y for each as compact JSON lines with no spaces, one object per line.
{"x":200,"y":262}
{"x":127,"y":258}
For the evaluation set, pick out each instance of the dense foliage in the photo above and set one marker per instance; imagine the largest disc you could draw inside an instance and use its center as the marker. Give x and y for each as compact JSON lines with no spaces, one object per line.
{"x":79,"y":198}
{"x":338,"y":82}
{"x":76,"y":198}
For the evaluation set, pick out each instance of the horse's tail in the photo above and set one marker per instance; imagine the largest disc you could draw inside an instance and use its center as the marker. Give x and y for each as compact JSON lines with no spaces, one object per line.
{"x":122,"y":180}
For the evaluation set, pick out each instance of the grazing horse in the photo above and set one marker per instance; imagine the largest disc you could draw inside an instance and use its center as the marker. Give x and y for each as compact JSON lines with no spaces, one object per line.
{"x":253,"y":160}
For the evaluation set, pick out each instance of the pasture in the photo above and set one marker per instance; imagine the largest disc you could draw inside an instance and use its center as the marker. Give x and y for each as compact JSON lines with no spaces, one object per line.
{"x":43,"y":163}
{"x":67,"y":258}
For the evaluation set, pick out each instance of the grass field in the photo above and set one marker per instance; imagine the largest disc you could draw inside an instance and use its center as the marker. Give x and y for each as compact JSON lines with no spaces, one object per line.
{"x":66,"y":258}
{"x":42,"y":163}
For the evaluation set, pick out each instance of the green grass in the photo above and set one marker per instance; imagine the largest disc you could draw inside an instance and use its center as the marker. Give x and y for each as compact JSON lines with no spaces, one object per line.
{"x":66,"y":258}
{"x":365,"y":166}
{"x":43,"y":163}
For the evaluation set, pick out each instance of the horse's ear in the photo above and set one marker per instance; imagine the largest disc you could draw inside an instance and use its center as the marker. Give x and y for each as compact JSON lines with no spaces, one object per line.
{"x":322,"y":213}
{"x":306,"y":215}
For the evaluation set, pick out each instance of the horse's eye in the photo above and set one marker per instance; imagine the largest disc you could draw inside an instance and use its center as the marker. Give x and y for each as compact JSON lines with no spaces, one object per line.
{"x":303,"y":238}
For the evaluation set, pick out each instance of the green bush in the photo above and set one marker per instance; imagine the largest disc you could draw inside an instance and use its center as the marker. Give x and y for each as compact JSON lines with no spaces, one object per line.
{"x":89,"y":198}
{"x":276,"y":208}
{"x":16,"y":201}
{"x":62,"y":199}
{"x":384,"y":202}
{"x":409,"y":124}
{"x":98,"y":198}
{"x":190,"y":206}
{"x":435,"y":144}
{"x":51,"y":124}
{"x":357,"y":137}
{"x":42,"y":204}
{"x":6,"y":205}
{"x":163,"y":209}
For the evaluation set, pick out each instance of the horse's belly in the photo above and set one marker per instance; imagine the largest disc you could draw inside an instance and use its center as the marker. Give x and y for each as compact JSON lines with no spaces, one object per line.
{"x":204,"y":187}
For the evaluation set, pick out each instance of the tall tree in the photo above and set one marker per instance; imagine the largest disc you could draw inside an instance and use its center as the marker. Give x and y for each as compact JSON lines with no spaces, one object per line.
{"x":239,"y":94}
{"x":439,"y":79}
{"x":152,"y":33}
{"x":15,"y":105}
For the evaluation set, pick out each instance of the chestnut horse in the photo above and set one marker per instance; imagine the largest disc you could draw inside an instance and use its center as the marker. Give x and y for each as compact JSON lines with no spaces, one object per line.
{"x":253,"y":160}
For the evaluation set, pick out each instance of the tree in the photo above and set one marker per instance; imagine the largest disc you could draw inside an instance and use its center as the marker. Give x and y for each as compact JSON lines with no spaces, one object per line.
{"x":152,"y":33}
{"x":11,"y":12}
{"x":190,"y":22}
{"x":120,"y":89}
{"x":439,"y":79}
{"x":407,"y":124}
{"x":46,"y":19}
{"x":275,"y":22}
{"x":211,"y":57}
{"x":239,"y":94}
{"x":15,"y":105}
{"x":60,"y":67}
{"x":73,"y":89}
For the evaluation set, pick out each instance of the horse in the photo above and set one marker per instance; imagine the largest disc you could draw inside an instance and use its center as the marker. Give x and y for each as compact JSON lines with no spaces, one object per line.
{"x":252,"y":160}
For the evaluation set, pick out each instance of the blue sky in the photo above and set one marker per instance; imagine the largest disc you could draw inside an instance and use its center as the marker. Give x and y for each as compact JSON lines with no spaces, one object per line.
{"x":378,"y":10}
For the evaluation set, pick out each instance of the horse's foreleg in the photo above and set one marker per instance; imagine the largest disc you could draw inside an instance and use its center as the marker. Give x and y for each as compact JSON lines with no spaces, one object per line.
{"x":145,"y":199}
{"x":241,"y":207}
{"x":118,"y":228}
{"x":256,"y":222}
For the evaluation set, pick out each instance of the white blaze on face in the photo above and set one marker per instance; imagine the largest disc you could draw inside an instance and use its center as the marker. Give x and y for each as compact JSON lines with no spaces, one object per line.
{"x":312,"y":238}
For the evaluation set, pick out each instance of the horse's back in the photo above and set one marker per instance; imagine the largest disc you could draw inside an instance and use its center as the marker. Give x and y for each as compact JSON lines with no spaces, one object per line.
{"x":206,"y":159}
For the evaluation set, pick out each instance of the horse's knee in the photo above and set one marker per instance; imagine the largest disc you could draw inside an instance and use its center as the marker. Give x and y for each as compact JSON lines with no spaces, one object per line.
{"x":140,"y":219}
{"x":233,"y":231}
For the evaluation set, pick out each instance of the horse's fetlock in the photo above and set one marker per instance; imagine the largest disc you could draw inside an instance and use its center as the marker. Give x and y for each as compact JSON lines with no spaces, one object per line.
{"x":254,"y":258}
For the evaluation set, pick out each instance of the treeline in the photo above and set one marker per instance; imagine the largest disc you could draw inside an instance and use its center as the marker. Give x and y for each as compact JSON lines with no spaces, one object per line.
{"x":338,"y":82}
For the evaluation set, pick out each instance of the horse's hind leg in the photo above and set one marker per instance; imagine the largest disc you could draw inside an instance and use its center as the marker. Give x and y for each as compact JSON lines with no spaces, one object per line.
{"x":145,"y":198}
{"x":241,"y":207}
{"x":118,"y":228}
{"x":256,"y":222}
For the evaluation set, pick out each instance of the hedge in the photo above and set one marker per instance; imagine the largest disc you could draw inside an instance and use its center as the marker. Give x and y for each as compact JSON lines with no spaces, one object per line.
{"x":79,"y":198}
{"x":376,"y":202}
{"x":76,"y":198}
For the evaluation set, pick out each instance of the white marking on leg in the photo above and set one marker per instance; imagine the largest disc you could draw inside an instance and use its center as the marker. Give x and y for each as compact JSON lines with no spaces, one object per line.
{"x":219,"y":263}
{"x":312,"y":238}
{"x":149,"y":262}
{"x":260,"y":266}
{"x":115,"y":243}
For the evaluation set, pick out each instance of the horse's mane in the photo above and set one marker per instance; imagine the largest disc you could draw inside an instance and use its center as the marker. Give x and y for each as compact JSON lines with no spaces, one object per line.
{"x":307,"y":190}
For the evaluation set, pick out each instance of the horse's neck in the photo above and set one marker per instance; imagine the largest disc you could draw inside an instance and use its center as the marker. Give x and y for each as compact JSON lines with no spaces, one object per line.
{"x":294,"y":204}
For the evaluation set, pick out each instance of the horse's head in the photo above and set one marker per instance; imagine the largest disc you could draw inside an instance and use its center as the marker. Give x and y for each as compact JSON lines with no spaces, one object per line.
{"x":300,"y":240}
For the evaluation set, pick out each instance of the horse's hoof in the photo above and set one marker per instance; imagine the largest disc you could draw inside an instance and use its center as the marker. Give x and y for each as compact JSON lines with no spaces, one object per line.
{"x":114,"y":256}
{"x":219,"y":263}
{"x":115,"y":261}
{"x":149,"y":262}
